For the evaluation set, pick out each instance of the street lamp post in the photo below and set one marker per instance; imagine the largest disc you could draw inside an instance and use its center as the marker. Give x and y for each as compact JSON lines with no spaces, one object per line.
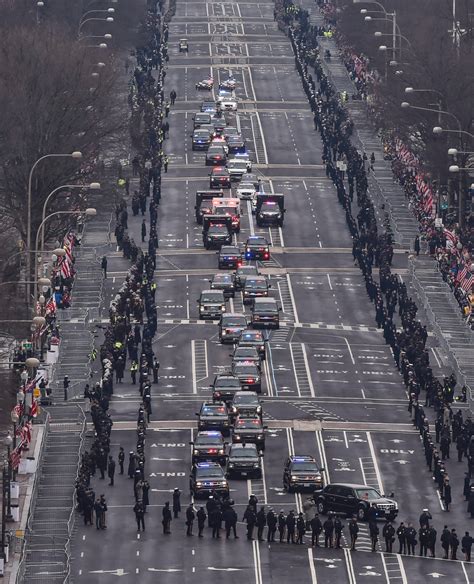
{"x":406,"y":105}
{"x":440,"y":130}
{"x":93,"y":186}
{"x":90,"y":212}
{"x":108,"y":19}
{"x":77,"y":155}
{"x":8,"y":444}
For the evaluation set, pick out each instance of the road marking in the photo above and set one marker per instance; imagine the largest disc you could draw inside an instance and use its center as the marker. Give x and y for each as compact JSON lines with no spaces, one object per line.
{"x":349,"y":566}
{"x":350,"y":351}
{"x":329,"y":281}
{"x":308,"y":372}
{"x":250,"y":216}
{"x":376,"y":464}
{"x":263,"y":137}
{"x":463,"y":569}
{"x":293,"y":303}
{"x":312,"y":569}
{"x":345,"y":439}
{"x":257,"y":564}
{"x":322,"y":455}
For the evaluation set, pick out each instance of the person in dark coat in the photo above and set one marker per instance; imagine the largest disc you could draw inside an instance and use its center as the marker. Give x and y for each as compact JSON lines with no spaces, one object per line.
{"x":190,"y":517}
{"x":402,"y":539}
{"x":454,"y":544}
{"x":447,"y":494}
{"x":216,"y":522}
{"x":417,"y":246}
{"x":139,"y":516}
{"x":261,"y":522}
{"x":300,"y":528}
{"x":166,"y":521}
{"x":410,"y":533}
{"x":445,"y":541}
{"x":145,"y":495}
{"x":281,"y":525}
{"x":176,"y":502}
{"x":467,"y":486}
{"x":466,"y":545}
{"x":121,"y":459}
{"x":201,"y":519}
{"x":251,"y":519}
{"x":432,"y":534}
{"x":230,"y":522}
{"x":470,"y":505}
{"x":272,"y":525}
{"x":111,"y":470}
{"x":143,"y":230}
{"x":316,"y":529}
{"x":354,"y":532}
{"x":290,"y":527}
{"x":374,"y":535}
{"x":328,"y":527}
{"x":388,"y":533}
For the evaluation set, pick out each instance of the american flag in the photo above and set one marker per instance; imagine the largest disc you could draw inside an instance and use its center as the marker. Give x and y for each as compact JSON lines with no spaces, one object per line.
{"x":34,"y":410}
{"x":51,"y":305}
{"x":451,"y":238}
{"x":462,"y":273}
{"x":15,"y":456}
{"x":65,"y":268}
{"x":468,"y":282}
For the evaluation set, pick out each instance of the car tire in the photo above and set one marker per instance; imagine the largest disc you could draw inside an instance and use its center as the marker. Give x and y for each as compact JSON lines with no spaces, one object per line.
{"x":322,"y":509}
{"x":361,"y":513}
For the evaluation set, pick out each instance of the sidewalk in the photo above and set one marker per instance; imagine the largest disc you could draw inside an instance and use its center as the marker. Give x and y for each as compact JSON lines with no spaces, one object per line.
{"x":25,"y":481}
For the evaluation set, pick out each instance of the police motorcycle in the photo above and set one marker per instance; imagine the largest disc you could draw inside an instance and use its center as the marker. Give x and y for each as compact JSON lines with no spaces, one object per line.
{"x":205,"y":84}
{"x":229,"y":84}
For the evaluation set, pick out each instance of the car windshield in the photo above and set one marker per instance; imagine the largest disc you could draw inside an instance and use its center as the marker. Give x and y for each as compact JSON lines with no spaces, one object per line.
{"x":222,"y":279}
{"x":246,"y":186}
{"x":230,"y":210}
{"x":215,"y":149}
{"x":204,"y":473}
{"x":219,"y":172}
{"x":201,"y":134}
{"x":249,"y":423}
{"x":246,"y":353}
{"x":247,"y":271}
{"x":264,"y":306}
{"x":252,"y":336}
{"x":247,"y":399}
{"x":237,"y":164}
{"x":368,"y":494}
{"x":213,"y":410}
{"x":234,"y":321}
{"x":244,"y":368}
{"x":247,"y":452}
{"x":217,"y":440}
{"x":260,"y":284}
{"x":210,"y":297}
{"x":305,"y":466}
{"x":227,"y":382}
{"x":260,"y":241}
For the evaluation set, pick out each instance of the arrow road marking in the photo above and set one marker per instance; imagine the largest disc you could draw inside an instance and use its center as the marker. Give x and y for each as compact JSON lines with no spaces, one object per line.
{"x":401,"y":461}
{"x":435,"y":575}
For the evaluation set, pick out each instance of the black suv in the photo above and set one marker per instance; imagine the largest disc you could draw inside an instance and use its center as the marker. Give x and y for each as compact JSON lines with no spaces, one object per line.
{"x":352,"y":499}
{"x":230,"y":327}
{"x":244,"y":461}
{"x":246,"y":403}
{"x":257,"y":248}
{"x":224,"y":387}
{"x":214,"y":416}
{"x":207,"y":478}
{"x":253,"y":338}
{"x":215,"y":155}
{"x":255,"y":287}
{"x":249,"y":375}
{"x":208,"y":446}
{"x":224,"y":282}
{"x":211,"y":304}
{"x":219,"y":177}
{"x":249,"y":429}
{"x":265,"y":313}
{"x":229,"y":257}
{"x":201,"y":139}
{"x":302,"y":472}
{"x":244,"y":272}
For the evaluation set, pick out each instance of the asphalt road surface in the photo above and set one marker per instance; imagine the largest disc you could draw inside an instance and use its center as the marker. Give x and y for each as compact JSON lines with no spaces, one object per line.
{"x":328,"y":362}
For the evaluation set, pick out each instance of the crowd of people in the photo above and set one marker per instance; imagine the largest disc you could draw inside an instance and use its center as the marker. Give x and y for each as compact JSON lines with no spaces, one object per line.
{"x":395,"y":311}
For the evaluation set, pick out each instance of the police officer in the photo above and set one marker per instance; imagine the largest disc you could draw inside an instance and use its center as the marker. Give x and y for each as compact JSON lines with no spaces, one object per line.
{"x":133,"y":371}
{"x":374,"y":535}
{"x":251,"y":518}
{"x":402,"y":539}
{"x":253,"y":501}
{"x":316,"y":529}
{"x":338,"y":527}
{"x":111,"y":470}
{"x":423,"y":536}
{"x":190,"y":517}
{"x":272,"y":525}
{"x":201,"y":519}
{"x":139,"y":516}
{"x":230,"y":521}
{"x":166,"y":521}
{"x":328,"y":527}
{"x":410,"y":534}
{"x":121,"y":459}
{"x":156,"y":368}
{"x":388,"y":532}
{"x":261,"y":522}
{"x":354,"y":532}
{"x":216,"y":522}
{"x":176,"y":502}
{"x":290,"y":527}
{"x":300,"y":528}
{"x":432,"y":534}
{"x":281,"y":524}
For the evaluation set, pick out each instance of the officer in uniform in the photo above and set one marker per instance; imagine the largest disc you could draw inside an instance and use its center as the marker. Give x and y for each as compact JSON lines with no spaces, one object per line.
{"x":261,"y":522}
{"x":201,"y":519}
{"x":121,"y":459}
{"x":402,"y":539}
{"x":190,"y":517}
{"x":353,"y":531}
{"x":388,"y":532}
{"x":300,"y":528}
{"x":272,"y":525}
{"x":290,"y":527}
{"x":250,"y":518}
{"x":281,"y":524}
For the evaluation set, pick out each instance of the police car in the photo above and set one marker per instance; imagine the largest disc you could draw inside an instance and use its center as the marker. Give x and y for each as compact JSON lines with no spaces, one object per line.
{"x":207,"y":478}
{"x":208,"y":446}
{"x":257,"y":248}
{"x":302,"y":472}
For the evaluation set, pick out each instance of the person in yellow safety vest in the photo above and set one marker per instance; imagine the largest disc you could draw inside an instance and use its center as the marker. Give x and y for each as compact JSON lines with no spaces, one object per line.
{"x":344,"y":95}
{"x":133,"y":371}
{"x":118,"y":345}
{"x":153,"y":289}
{"x":93,"y":355}
{"x":121,"y":182}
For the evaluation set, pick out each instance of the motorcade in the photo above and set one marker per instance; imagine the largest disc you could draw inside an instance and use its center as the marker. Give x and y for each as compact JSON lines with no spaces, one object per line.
{"x":302,"y":472}
{"x":245,"y":403}
{"x":230,"y":326}
{"x":201,"y":139}
{"x":224,"y":387}
{"x":206,"y":479}
{"x":203,"y":204}
{"x":248,"y":374}
{"x":255,"y":287}
{"x":229,"y":206}
{"x":269,"y":209}
{"x":238,"y":167}
{"x":246,"y":191}
{"x":253,"y":338}
{"x":214,"y":416}
{"x":355,"y":499}
{"x":244,"y":461}
{"x":242,"y":273}
{"x":216,"y":231}
{"x":208,"y":445}
{"x":224,"y":282}
{"x":219,"y":178}
{"x":201,"y":119}
{"x":215,"y":154}
{"x":257,"y":248}
{"x":229,"y":257}
{"x":249,"y":430}
{"x":211,"y":304}
{"x":265,"y":313}
{"x":246,"y":354}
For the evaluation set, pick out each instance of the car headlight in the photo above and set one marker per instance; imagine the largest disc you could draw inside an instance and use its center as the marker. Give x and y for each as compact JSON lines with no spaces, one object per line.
{"x":260,"y":214}
{"x":195,"y":452}
{"x":246,"y":292}
{"x":256,"y":465}
{"x":198,"y":484}
{"x":223,"y":308}
{"x":237,"y":437}
{"x":259,"y":409}
{"x":260,"y":437}
{"x":231,"y":465}
{"x":234,"y":410}
{"x":221,"y":452}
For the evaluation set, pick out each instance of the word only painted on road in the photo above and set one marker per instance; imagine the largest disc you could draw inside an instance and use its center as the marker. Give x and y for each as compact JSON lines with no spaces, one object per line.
{"x":396,"y":451}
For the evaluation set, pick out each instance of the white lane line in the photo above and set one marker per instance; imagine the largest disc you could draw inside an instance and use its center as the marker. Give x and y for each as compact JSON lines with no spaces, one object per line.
{"x":329,"y":282}
{"x":404,"y":575}
{"x":374,"y":460}
{"x":345,"y":439}
{"x":263,"y":137}
{"x":349,"y":566}
{"x":257,"y":564}
{"x":249,"y":71}
{"x":294,"y":371}
{"x":293,"y":303}
{"x":322,"y":455}
{"x":436,"y":357}
{"x":250,"y":216}
{"x":193,"y":365}
{"x":308,"y":372}
{"x":265,"y":499}
{"x":268,"y":378}
{"x":350,"y":351}
{"x":312,"y":569}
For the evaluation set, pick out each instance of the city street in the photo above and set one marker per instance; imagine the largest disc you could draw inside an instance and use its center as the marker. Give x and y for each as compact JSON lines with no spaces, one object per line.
{"x":330,"y":386}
